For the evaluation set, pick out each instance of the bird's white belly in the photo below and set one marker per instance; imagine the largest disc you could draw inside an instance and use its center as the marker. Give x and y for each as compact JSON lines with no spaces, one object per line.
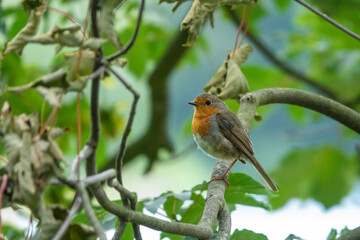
{"x":217,"y":146}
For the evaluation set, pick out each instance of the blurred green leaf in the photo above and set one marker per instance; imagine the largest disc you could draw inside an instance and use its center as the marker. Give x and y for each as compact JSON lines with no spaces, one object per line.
{"x":172,"y":207}
{"x":282,"y":4}
{"x":293,"y":237}
{"x":187,"y":127}
{"x":128,"y":233}
{"x":344,"y":231}
{"x":194,"y":212}
{"x":200,"y":187}
{"x":296,"y":113}
{"x":324,"y":173}
{"x":79,"y":232}
{"x":332,"y":235}
{"x":11,"y":232}
{"x":240,"y":187}
{"x":247,"y":235}
{"x":171,"y":236}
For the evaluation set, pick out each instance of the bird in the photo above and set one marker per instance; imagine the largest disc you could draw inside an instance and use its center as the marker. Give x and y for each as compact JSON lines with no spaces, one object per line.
{"x":220,"y":134}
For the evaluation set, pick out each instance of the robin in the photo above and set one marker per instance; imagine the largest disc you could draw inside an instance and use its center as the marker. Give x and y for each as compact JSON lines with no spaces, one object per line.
{"x":219,"y":133}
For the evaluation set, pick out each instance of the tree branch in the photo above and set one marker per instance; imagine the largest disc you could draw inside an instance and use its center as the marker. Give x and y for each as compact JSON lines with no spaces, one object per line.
{"x":132,"y":41}
{"x":120,"y":155}
{"x":352,"y":235}
{"x":156,"y":133}
{"x":65,"y":225}
{"x":330,"y":20}
{"x":323,"y":105}
{"x":281,"y":64}
{"x":90,"y":212}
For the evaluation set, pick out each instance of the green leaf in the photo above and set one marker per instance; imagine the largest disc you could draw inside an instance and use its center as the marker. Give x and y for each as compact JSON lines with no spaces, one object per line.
{"x":153,"y":205}
{"x":247,"y":235}
{"x":293,"y":237}
{"x":282,"y":4}
{"x":332,"y":235}
{"x":240,"y":187}
{"x":128,"y":233}
{"x":344,"y":231}
{"x":325,"y":174}
{"x":172,"y":207}
{"x":106,"y":20}
{"x":18,"y":43}
{"x":195,"y":211}
{"x":186,"y":130}
{"x":200,"y":187}
{"x":233,"y":105}
{"x":296,"y":113}
{"x":79,"y":64}
{"x":171,"y":236}
{"x":195,"y":19}
{"x":12,"y":232}
{"x":79,"y":232}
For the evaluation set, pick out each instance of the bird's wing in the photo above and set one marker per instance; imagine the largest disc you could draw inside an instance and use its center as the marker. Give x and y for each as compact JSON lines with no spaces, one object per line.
{"x":231,"y":128}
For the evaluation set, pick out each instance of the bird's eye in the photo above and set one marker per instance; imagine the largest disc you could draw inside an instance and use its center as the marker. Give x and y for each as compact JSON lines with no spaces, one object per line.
{"x":208,"y":102}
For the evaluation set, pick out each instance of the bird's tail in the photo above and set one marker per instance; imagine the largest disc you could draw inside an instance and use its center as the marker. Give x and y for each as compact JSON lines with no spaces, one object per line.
{"x":263,"y":174}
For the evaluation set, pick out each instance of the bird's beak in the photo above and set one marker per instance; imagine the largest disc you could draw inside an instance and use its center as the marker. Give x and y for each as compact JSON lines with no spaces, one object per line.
{"x":193,"y":103}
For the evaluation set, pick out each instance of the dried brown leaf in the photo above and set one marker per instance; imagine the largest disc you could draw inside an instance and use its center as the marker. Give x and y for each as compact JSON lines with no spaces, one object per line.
{"x":18,"y":43}
{"x":195,"y":19}
{"x":106,"y":20}
{"x":85,"y":67}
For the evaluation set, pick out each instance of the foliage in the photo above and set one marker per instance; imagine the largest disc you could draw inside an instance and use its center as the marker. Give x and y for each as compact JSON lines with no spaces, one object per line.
{"x":324,"y":172}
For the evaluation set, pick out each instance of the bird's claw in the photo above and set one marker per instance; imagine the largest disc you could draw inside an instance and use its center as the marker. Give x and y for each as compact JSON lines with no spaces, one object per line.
{"x":219,"y":178}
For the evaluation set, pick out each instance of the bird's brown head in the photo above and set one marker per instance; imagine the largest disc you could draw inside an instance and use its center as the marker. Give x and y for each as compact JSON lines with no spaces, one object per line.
{"x":206,"y":104}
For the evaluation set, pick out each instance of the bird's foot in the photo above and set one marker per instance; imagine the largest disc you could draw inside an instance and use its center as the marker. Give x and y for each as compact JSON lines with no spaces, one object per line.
{"x":219,"y":178}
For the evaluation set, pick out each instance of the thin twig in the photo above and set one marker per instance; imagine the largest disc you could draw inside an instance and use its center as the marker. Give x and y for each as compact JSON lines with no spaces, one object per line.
{"x":50,"y":118}
{"x":110,"y":173}
{"x":125,"y":195}
{"x":247,"y":26}
{"x":131,"y":196}
{"x":282,"y":64}
{"x":84,"y":154}
{"x":68,"y":16}
{"x":2,"y":188}
{"x":78,"y":120}
{"x":120,"y":155}
{"x":4,"y":159}
{"x":132,"y":41}
{"x":94,"y":101}
{"x":239,"y":29}
{"x":65,"y":225}
{"x":90,"y":212}
{"x":330,"y":20}
{"x":120,"y":229}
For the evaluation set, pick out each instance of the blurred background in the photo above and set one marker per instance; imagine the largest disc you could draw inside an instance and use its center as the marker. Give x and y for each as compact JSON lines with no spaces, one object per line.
{"x":313,"y":159}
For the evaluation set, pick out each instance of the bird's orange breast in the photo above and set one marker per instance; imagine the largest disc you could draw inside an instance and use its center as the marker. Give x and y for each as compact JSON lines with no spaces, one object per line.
{"x":201,"y":121}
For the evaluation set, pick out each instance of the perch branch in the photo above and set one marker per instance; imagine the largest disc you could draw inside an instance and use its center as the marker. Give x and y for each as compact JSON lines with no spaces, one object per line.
{"x":224,"y":223}
{"x":330,"y":20}
{"x":352,"y":235}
